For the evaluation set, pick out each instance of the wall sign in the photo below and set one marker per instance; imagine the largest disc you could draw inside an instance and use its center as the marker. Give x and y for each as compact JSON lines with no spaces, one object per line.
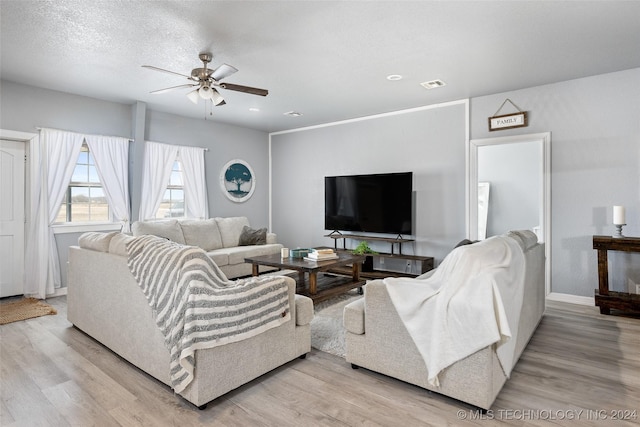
{"x":508,"y":121}
{"x":237,"y":180}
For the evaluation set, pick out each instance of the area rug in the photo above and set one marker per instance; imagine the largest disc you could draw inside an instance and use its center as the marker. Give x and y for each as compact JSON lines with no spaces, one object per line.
{"x":26,"y":308}
{"x":327,"y":331}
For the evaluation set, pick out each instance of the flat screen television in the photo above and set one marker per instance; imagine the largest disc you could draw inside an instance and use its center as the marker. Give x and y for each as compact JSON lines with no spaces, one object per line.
{"x":378,"y":203}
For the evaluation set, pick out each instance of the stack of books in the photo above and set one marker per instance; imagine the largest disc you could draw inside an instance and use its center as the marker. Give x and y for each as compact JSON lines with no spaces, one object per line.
{"x":321,"y":255}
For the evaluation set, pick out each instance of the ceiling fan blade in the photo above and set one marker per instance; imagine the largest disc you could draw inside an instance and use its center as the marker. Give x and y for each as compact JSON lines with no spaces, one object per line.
{"x":245,"y":89}
{"x":151,"y":67}
{"x":155,"y":92}
{"x":225,"y":70}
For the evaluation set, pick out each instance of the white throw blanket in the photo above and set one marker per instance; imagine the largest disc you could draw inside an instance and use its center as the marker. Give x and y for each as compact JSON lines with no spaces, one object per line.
{"x":196,"y":306}
{"x":472,"y":300}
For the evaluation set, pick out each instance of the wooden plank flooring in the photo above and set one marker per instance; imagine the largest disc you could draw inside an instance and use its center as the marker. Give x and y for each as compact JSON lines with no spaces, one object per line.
{"x":578,"y":360}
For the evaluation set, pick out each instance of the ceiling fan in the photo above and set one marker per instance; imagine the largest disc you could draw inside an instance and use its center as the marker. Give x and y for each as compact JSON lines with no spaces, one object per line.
{"x":206,"y":81}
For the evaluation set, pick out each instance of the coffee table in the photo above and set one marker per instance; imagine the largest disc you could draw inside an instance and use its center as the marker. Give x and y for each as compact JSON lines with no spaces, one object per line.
{"x":308,"y":283}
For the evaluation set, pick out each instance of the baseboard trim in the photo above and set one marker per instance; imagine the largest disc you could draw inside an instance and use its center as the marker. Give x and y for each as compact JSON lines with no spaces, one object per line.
{"x":572,"y":299}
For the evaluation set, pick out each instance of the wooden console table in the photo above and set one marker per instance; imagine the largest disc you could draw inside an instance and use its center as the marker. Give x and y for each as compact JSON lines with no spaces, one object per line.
{"x":392,"y":240}
{"x":426,"y":263}
{"x":606,"y":299}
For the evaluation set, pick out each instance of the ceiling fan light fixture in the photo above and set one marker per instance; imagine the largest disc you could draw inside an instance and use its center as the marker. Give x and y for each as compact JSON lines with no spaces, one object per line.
{"x":216,"y":97}
{"x":193,"y":96}
{"x":205,"y":92}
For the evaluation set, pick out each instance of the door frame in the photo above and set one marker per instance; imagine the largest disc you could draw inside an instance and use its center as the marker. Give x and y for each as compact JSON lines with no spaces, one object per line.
{"x":545,"y":210}
{"x":27,"y":138}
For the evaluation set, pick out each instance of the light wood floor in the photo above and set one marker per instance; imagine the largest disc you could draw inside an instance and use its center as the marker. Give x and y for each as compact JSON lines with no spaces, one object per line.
{"x":53,"y":374}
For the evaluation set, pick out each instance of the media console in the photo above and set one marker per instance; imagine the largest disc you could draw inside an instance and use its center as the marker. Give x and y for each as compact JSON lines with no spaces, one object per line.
{"x":426,"y":263}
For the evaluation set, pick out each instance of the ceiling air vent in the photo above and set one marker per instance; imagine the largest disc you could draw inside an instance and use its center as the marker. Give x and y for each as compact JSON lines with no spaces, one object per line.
{"x":433,"y":84}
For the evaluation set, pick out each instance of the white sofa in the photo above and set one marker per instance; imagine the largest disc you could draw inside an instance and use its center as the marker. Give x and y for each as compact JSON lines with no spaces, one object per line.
{"x":105,"y":301}
{"x":376,"y":338}
{"x":219,"y":237}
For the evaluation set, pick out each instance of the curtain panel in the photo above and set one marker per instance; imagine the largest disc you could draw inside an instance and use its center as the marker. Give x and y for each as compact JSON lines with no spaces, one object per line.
{"x":52,"y":160}
{"x":158,"y":162}
{"x":195,"y":185}
{"x":156,"y":171}
{"x":111,"y":156}
{"x":57,"y":153}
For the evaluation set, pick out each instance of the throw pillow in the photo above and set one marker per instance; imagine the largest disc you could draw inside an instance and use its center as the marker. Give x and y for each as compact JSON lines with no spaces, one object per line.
{"x":249,"y":236}
{"x":465,"y":242}
{"x":230,"y":230}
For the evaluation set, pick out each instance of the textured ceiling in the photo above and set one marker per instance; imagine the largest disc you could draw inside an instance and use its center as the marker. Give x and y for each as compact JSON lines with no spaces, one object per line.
{"x":327,"y":60}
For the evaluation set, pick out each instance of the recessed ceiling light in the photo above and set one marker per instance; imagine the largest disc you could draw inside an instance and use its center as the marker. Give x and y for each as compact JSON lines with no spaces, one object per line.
{"x":292,"y":114}
{"x":254,"y":109}
{"x":433,"y":84}
{"x":394,"y":77}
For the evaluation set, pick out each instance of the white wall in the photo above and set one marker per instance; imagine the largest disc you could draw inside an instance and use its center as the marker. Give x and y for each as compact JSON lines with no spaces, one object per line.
{"x":595,"y":164}
{"x":428,"y":142}
{"x":514,"y":172}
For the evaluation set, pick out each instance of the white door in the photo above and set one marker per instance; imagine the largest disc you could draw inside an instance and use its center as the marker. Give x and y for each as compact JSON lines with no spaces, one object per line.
{"x":11,"y":217}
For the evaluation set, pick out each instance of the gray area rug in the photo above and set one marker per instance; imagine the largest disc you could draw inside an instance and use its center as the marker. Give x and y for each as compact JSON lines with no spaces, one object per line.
{"x":327,"y":331}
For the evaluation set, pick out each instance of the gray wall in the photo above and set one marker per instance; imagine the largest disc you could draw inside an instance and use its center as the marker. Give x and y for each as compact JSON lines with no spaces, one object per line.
{"x":23,"y":108}
{"x":514,"y":172}
{"x":595,"y":164}
{"x":430,"y":143}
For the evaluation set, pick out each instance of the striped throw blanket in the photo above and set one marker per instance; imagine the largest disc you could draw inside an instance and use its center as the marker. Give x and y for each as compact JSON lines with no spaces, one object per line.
{"x":196,"y":306}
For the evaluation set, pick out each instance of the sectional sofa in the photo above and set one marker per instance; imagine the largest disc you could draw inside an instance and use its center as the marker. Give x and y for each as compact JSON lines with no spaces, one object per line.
{"x":377,"y":339}
{"x":228,"y":241}
{"x":105,"y":301}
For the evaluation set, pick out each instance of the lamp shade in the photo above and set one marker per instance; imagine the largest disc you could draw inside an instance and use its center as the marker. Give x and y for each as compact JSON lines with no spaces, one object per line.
{"x":205,"y":92}
{"x":193,"y":96}
{"x":216,"y":97}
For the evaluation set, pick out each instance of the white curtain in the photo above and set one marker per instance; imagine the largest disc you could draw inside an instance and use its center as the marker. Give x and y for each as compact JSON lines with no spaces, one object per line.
{"x":111,"y":156}
{"x":53,"y":158}
{"x":195,"y":186}
{"x":156,"y":171}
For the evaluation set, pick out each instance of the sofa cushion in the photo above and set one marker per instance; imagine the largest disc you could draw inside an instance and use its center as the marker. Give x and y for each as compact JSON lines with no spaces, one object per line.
{"x":219,"y":256}
{"x":203,"y":233}
{"x":249,"y":236}
{"x":96,"y":241}
{"x":118,"y":244}
{"x":353,"y":317}
{"x":230,"y":230}
{"x":239,"y":253}
{"x":169,"y":229}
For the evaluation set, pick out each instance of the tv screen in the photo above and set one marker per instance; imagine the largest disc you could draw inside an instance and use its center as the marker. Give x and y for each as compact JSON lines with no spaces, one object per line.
{"x":379,"y":203}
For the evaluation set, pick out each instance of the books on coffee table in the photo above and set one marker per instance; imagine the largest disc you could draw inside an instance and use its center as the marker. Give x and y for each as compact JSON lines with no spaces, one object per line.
{"x":321,"y":255}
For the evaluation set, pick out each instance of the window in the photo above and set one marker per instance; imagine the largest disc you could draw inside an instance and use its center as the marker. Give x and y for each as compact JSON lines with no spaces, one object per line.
{"x":84,"y":200}
{"x":172,"y":205}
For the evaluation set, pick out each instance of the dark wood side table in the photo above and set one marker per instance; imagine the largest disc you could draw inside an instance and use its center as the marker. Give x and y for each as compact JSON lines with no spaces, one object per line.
{"x":604,"y":298}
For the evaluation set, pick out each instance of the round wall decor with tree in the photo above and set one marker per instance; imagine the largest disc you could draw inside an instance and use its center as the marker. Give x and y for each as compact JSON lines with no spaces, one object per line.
{"x":237,"y":180}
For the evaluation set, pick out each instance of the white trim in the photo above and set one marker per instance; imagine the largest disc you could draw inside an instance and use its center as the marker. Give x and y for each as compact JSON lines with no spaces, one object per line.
{"x":375,"y":116}
{"x":16,"y":135}
{"x":57,"y":293}
{"x":84,"y":227}
{"x":572,"y":299}
{"x":472,"y":187}
{"x":270,"y":185}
